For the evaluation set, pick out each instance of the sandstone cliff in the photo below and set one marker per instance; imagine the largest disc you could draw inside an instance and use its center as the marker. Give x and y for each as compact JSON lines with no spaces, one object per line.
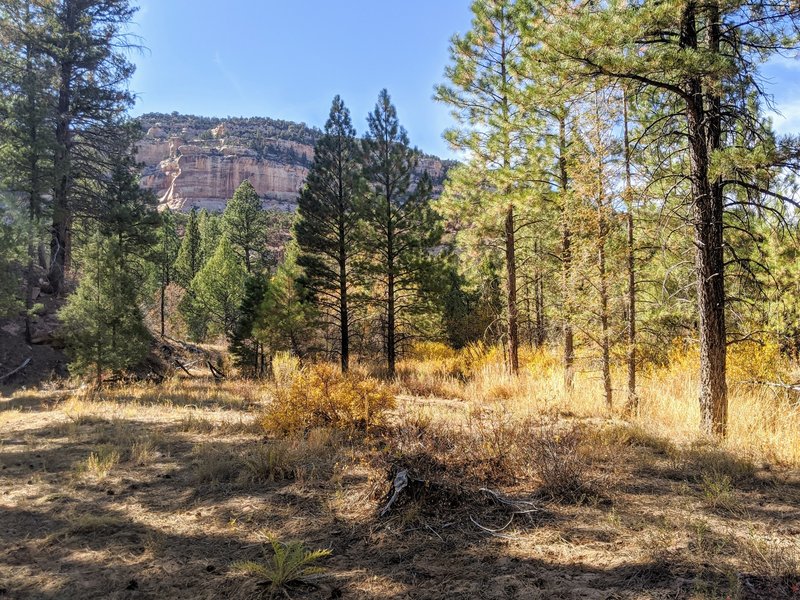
{"x":199,"y":162}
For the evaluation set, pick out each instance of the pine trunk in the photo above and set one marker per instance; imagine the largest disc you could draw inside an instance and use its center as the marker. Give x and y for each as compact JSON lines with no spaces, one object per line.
{"x":632,"y":406}
{"x":566,"y":261}
{"x":707,"y":212}
{"x":59,"y":231}
{"x":511,"y":281}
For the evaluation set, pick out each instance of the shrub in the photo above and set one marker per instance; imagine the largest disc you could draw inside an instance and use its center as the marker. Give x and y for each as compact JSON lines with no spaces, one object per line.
{"x":320,"y":396}
{"x":718,"y":491}
{"x":284,"y":367}
{"x":557,"y":461}
{"x":747,"y":361}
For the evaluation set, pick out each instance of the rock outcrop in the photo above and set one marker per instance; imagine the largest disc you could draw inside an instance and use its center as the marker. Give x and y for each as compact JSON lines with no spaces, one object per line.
{"x":199,"y":162}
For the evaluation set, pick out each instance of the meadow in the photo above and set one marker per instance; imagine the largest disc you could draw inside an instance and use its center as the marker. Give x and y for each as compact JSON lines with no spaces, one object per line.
{"x":203,"y":489}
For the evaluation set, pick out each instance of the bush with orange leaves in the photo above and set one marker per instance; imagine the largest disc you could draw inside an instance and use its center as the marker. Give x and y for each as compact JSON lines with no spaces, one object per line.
{"x":319,"y":395}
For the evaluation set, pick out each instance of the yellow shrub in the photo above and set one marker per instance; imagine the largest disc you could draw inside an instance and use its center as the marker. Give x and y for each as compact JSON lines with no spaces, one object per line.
{"x":751,"y":361}
{"x":746,"y":361}
{"x":539,"y":361}
{"x":476,"y":356}
{"x":432,"y":351}
{"x":320,"y":396}
{"x":284,"y":367}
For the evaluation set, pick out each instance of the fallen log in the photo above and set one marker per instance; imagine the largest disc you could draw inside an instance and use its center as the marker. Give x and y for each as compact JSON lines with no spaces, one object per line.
{"x":218,"y":375}
{"x":184,"y":367}
{"x":794,"y":387}
{"x":19,"y":368}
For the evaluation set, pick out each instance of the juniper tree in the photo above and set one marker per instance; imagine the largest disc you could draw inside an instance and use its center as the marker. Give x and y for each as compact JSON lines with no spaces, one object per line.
{"x":401,"y":228}
{"x":326,"y":229}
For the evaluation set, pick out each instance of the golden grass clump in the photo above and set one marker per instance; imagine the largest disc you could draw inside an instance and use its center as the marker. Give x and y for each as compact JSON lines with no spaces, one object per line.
{"x":320,"y":395}
{"x":763,"y":420}
{"x":100,"y":462}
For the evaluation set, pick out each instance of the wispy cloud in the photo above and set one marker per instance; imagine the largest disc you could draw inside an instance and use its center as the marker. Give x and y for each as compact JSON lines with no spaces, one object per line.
{"x":787,"y":118}
{"x":229,"y":75}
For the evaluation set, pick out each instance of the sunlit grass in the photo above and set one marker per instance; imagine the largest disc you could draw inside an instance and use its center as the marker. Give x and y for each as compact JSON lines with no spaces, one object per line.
{"x":763,"y":423}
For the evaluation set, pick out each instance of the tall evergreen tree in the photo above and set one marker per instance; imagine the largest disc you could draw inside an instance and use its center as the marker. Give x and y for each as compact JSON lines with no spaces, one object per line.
{"x":247,"y":349}
{"x":244,"y":223}
{"x":704,"y":58}
{"x":189,"y":260}
{"x":484,"y":83}
{"x":165,"y":254}
{"x":210,"y":230}
{"x":26,"y":130}
{"x":401,"y":227}
{"x":326,"y":230}
{"x":86,"y":42}
{"x":286,"y":311}
{"x":216,"y":293}
{"x":102,"y":323}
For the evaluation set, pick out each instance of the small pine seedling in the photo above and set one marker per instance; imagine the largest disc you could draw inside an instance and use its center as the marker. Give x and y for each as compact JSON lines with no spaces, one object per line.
{"x":291,"y":562}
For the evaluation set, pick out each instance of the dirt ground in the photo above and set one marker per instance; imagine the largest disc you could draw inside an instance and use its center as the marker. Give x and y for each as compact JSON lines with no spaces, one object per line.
{"x":168,"y":518}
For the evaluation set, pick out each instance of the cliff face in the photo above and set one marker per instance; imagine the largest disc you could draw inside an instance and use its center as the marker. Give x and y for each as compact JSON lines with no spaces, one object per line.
{"x":199,"y":162}
{"x":189,"y":175}
{"x":188,"y":164}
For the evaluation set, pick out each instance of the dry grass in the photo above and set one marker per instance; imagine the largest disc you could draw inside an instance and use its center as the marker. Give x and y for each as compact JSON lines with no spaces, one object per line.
{"x":100,"y":462}
{"x":762,"y":422}
{"x":179,"y":481}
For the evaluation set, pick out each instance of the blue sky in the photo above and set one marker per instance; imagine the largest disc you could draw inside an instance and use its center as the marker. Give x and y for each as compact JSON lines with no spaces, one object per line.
{"x":286,"y":59}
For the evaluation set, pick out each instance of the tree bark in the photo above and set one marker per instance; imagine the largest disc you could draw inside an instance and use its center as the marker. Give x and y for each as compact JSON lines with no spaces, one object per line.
{"x":391,"y":357}
{"x":59,"y":231}
{"x":632,"y":405}
{"x":566,"y":261}
{"x":511,"y":276}
{"x":707,"y":211}
{"x":344,"y":317}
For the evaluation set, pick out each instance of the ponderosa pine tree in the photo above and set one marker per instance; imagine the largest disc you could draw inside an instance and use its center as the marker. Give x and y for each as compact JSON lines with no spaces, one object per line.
{"x":86,"y":41}
{"x":483,"y":85}
{"x":401,"y":228}
{"x":286,"y":312}
{"x":165,"y":253}
{"x":103,"y":325}
{"x":211,"y":305}
{"x":705,"y":57}
{"x":244,"y":223}
{"x":26,"y":132}
{"x":210,"y":229}
{"x":326,"y":229}
{"x":247,"y":349}
{"x":189,"y":260}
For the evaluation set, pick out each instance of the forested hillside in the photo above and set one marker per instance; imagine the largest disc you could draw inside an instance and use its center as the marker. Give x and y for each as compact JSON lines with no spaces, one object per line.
{"x":249,"y":358}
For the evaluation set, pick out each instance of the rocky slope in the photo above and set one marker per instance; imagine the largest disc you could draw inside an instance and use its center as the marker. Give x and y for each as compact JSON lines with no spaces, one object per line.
{"x":192,"y":161}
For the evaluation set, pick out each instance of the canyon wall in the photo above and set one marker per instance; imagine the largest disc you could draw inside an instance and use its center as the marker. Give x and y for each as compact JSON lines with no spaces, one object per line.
{"x":199,"y":162}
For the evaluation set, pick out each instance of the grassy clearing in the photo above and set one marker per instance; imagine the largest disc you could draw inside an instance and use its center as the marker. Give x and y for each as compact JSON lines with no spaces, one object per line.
{"x":512,"y":492}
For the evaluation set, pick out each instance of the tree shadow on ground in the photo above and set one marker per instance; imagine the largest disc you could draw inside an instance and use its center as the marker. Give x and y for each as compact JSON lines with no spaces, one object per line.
{"x":157,"y":531}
